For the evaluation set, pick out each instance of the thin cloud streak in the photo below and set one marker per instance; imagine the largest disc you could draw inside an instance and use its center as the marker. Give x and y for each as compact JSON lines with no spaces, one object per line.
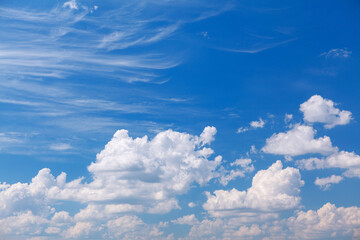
{"x":259,"y":49}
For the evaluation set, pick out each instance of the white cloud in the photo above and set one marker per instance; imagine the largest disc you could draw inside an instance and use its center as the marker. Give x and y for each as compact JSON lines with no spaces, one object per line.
{"x":245,"y":163}
{"x":298,"y":141}
{"x":337,"y":53}
{"x":325,"y":183}
{"x":60,"y":146}
{"x":272,"y":189}
{"x":233,"y":174}
{"x":242,"y":129}
{"x":340,"y":159}
{"x":288,"y":117}
{"x":246,"y":167}
{"x":79,"y":230}
{"x":105,"y":211}
{"x":191,"y":204}
{"x":257,"y":124}
{"x":318,"y":109}
{"x":352,"y":172}
{"x":253,"y":149}
{"x":244,"y":231}
{"x":188,"y":220}
{"x":21,"y":197}
{"x":125,"y":224}
{"x":346,"y":160}
{"x":208,"y":229}
{"x":22,"y":223}
{"x":208,"y":135}
{"x":152,"y":172}
{"x":326,"y":223}
{"x":253,"y":125}
{"x":71,"y":4}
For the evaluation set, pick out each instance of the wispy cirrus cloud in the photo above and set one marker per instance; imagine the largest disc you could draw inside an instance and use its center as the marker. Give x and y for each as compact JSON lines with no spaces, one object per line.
{"x":257,"y":48}
{"x":72,"y":38}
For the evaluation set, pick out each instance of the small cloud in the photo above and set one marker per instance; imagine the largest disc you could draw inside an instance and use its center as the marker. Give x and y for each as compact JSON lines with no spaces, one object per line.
{"x":253,"y":125}
{"x":253,"y":149}
{"x":242,"y":129}
{"x":205,"y":35}
{"x":325,"y":183}
{"x":257,"y":124}
{"x":192,"y":204}
{"x":60,"y":146}
{"x":288,"y":118}
{"x":337,"y":53}
{"x":71,"y":4}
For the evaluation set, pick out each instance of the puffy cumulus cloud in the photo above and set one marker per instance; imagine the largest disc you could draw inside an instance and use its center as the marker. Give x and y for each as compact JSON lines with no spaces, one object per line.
{"x":128,"y":177}
{"x":225,"y":229}
{"x":80,"y":229}
{"x":165,"y":165}
{"x":329,"y":221}
{"x":325,"y":183}
{"x":126,"y":224}
{"x":150,"y":171}
{"x":208,"y":229}
{"x":273,"y":189}
{"x":105,"y":211}
{"x":208,"y":135}
{"x":244,"y":231}
{"x":318,"y":109}
{"x":298,"y":141}
{"x":346,"y":160}
{"x":132,"y":227}
{"x":61,"y":225}
{"x":20,"y":197}
{"x":23,"y":223}
{"x":188,"y":219}
{"x":324,"y":223}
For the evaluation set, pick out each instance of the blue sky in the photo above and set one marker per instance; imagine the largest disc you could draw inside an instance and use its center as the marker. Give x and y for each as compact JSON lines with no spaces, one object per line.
{"x":179,"y":119}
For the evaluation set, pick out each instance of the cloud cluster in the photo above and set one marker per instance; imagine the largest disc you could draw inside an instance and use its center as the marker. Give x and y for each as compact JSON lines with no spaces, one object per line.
{"x":326,"y":222}
{"x":342,"y":159}
{"x":154,"y":169}
{"x":300,"y":140}
{"x":129,"y":176}
{"x":141,"y":175}
{"x":272,"y":190}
